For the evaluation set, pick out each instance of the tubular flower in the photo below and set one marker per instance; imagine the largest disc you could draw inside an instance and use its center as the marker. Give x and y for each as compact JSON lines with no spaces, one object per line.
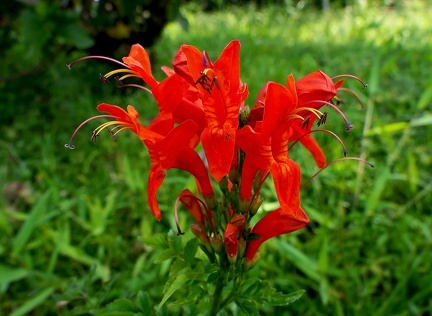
{"x":202,"y":103}
{"x":222,"y":94}
{"x":267,"y":150}
{"x":273,"y":224}
{"x":173,"y":151}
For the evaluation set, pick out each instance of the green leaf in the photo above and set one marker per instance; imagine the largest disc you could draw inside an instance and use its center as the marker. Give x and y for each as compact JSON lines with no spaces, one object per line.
{"x":174,"y":283}
{"x":157,"y":241}
{"x":281,"y":299}
{"x":250,"y":287}
{"x":165,"y":255}
{"x":174,"y":241}
{"x":9,"y":274}
{"x":29,"y":305}
{"x":196,"y":294}
{"x":190,"y":250}
{"x":118,"y":307}
{"x":143,"y":302}
{"x":247,"y":307}
{"x":31,"y":223}
{"x":178,"y":266}
{"x":171,"y":287}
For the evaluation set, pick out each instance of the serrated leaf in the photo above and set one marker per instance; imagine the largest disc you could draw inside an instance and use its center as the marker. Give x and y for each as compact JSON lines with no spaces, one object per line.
{"x":165,"y":255}
{"x":157,"y":241}
{"x":190,"y":250}
{"x":281,"y":299}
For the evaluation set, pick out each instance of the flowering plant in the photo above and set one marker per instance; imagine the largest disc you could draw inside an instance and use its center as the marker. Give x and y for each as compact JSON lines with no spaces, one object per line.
{"x":202,"y":108}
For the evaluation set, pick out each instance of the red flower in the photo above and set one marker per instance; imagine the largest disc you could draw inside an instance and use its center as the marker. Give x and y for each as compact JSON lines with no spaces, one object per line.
{"x":166,"y":151}
{"x":267,"y":150}
{"x":222,"y":94}
{"x":273,"y":224}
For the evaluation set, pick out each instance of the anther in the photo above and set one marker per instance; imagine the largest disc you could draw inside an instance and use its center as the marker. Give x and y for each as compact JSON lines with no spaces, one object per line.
{"x":103,"y":79}
{"x":93,"y":136}
{"x":305,"y":123}
{"x":322,"y":119}
{"x":70,"y":146}
{"x":111,"y":132}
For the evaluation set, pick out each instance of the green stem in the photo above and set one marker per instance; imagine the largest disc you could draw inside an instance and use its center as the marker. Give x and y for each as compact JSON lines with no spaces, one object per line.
{"x":217,"y":295}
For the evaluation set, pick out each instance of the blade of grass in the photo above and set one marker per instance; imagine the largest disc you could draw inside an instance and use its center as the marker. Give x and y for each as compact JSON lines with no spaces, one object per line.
{"x":29,"y":305}
{"x":31,"y":223}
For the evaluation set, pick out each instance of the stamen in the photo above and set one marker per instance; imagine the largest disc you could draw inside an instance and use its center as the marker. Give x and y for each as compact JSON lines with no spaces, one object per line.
{"x":123,"y":85}
{"x":93,"y":136}
{"x":324,"y":131}
{"x":322,"y":119}
{"x":353,"y":77}
{"x":354,"y":94}
{"x":113,"y":135}
{"x":333,"y":162}
{"x":116,"y":71}
{"x":348,"y":125}
{"x":305,"y":123}
{"x":97,"y":57}
{"x":69,"y":145}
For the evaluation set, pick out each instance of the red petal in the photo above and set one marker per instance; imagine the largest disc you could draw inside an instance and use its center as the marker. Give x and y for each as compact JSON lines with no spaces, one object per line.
{"x":286,"y":177}
{"x":169,"y":92}
{"x":192,"y":204}
{"x":274,"y":224}
{"x":189,"y":160}
{"x":156,"y":177}
{"x":139,"y":61}
{"x":169,"y":148}
{"x":279,"y":104}
{"x":218,"y":145}
{"x":315,"y":86}
{"x":230,"y":239}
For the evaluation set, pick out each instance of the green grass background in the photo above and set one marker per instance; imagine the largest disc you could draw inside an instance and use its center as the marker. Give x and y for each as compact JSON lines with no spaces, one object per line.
{"x":72,"y":222}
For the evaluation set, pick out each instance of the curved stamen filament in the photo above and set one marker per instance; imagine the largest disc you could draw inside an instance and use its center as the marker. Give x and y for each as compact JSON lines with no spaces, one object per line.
{"x":353,"y":77}
{"x":122,"y":85}
{"x":333,"y":162}
{"x":118,"y":124}
{"x":97,"y":57}
{"x":348,"y":125}
{"x":131,"y":73}
{"x":70,"y":145}
{"x":354,"y":94}
{"x":324,"y":131}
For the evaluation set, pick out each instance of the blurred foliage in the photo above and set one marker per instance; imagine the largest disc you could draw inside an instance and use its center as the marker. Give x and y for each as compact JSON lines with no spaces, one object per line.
{"x":75,"y":225}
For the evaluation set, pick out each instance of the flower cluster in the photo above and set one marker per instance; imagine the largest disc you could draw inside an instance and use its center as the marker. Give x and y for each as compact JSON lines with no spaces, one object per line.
{"x":201,"y":108}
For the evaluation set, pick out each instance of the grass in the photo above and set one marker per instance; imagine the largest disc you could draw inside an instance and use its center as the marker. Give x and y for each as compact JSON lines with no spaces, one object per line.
{"x":73,"y":222}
